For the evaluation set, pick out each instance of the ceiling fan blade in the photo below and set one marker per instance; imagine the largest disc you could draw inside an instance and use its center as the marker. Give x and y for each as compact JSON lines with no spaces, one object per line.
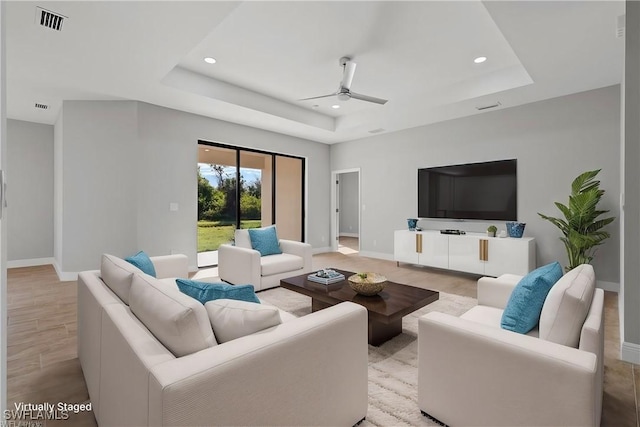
{"x":347,"y":75}
{"x":318,"y":97}
{"x":367,"y":98}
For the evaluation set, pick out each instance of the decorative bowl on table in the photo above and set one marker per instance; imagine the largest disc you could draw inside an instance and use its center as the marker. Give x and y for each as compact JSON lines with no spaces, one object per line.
{"x":368,"y":284}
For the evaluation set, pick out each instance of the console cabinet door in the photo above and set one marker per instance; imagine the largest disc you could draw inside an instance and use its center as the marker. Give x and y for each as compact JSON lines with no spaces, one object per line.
{"x":405,"y":246}
{"x":435,"y":250}
{"x":464,"y":254}
{"x":508,"y":255}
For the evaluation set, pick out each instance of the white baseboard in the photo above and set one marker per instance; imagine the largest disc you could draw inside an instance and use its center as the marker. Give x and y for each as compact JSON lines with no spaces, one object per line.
{"x":322,"y":250}
{"x":341,"y":234}
{"x":377,"y":255}
{"x":630,"y":352}
{"x":29,"y":262}
{"x":64,"y":276}
{"x":608,"y":286}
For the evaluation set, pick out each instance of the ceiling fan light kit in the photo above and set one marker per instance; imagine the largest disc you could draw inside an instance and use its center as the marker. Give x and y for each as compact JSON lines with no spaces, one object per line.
{"x":344,"y":90}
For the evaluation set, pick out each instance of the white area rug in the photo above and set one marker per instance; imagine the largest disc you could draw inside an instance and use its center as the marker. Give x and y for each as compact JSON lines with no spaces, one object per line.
{"x":393,"y":367}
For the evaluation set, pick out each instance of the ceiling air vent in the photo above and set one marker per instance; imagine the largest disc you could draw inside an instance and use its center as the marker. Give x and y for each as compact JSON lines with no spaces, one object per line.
{"x":486,"y":107}
{"x":49,"y":19}
{"x":620,"y":25}
{"x":41,"y":106}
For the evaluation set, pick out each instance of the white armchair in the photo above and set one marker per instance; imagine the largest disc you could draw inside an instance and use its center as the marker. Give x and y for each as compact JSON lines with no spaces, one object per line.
{"x":472,"y":372}
{"x":240,"y":264}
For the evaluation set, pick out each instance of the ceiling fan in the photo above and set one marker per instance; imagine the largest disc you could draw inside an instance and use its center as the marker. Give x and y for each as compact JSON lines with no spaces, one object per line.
{"x":344,"y":92}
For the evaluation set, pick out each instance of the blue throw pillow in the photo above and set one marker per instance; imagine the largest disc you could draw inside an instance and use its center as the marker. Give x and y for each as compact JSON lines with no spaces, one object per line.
{"x":522,"y":312}
{"x":143,"y":262}
{"x":265,"y":240}
{"x":205,"y":292}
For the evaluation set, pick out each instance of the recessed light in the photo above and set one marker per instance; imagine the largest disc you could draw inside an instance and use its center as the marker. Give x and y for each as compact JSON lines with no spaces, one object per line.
{"x":210,"y":60}
{"x":335,"y":107}
{"x":480,"y":59}
{"x":206,"y":149}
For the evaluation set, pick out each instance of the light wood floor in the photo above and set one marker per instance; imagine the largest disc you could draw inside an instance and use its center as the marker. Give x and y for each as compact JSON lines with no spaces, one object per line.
{"x":42,"y":344}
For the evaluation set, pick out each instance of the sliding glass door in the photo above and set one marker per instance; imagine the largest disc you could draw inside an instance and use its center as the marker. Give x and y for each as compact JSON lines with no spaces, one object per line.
{"x":243,"y":188}
{"x":217,"y":210}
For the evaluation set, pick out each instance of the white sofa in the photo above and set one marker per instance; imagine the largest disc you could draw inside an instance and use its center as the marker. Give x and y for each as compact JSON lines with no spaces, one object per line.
{"x":472,"y":372}
{"x":239,"y":264}
{"x":305,"y":371}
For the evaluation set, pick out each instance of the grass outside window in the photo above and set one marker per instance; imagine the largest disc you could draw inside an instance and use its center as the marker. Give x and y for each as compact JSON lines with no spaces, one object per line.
{"x":212,"y":234}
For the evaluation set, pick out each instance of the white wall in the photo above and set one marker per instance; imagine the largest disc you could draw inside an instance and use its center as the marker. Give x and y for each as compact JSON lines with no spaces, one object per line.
{"x":124,"y":162}
{"x":348,"y":203}
{"x":629,"y":301}
{"x":553,"y":140}
{"x":58,"y":207}
{"x":3,"y":224}
{"x":98,"y":183}
{"x":30,"y":173}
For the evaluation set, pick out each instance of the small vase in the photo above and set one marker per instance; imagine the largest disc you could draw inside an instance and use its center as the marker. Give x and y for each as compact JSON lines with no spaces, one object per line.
{"x":515,"y":229}
{"x":491,"y":233}
{"x":412,"y":223}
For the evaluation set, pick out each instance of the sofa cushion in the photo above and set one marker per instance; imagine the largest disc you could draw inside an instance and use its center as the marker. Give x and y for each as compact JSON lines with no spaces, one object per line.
{"x":522,"y":312}
{"x":117,"y":274}
{"x":205,"y":292}
{"x":179,"y":322}
{"x":143,"y":262}
{"x":265,"y":240}
{"x":170,"y":281}
{"x":490,"y":316}
{"x":281,"y":263}
{"x":567,"y":306}
{"x":241,"y":238}
{"x":233,"y":319}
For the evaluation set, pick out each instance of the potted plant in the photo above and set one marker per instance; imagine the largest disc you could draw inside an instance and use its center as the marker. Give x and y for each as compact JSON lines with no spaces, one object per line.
{"x":491,"y":231}
{"x":581,"y":227}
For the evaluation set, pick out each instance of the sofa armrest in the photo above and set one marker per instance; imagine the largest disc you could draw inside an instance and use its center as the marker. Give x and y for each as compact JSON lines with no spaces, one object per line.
{"x":239,"y":266}
{"x":303,"y":250}
{"x":474,"y":374}
{"x":287,"y":375}
{"x":495,"y":292}
{"x":176,"y":265}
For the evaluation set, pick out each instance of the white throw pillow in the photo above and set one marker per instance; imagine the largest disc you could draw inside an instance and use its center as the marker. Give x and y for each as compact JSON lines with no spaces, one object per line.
{"x":567,"y":305}
{"x":233,"y":319}
{"x":178,"y":321}
{"x":117,"y":274}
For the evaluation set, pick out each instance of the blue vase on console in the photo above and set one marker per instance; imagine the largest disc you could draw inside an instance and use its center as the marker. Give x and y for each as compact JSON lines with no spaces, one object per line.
{"x":515,"y":229}
{"x":412,"y":223}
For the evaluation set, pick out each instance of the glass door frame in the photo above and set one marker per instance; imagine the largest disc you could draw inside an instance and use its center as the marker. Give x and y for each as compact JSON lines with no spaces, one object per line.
{"x":238,"y":151}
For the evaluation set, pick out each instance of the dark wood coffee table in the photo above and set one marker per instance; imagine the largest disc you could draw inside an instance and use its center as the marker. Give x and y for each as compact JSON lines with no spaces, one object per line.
{"x":385,"y":310}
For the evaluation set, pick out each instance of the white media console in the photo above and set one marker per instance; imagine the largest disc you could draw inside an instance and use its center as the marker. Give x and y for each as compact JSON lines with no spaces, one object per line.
{"x":472,"y":252}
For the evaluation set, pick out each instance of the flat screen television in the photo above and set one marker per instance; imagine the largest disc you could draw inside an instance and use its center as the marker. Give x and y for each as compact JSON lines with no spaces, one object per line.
{"x":486,"y":191}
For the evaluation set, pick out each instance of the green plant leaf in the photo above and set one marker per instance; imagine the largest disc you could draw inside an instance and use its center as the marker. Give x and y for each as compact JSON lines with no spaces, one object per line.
{"x":584,"y":182}
{"x":581,"y":229}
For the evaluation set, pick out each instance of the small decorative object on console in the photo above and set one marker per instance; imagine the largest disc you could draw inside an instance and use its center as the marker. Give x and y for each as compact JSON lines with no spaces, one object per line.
{"x":449,"y":231}
{"x":368,"y":284}
{"x":326,"y":276}
{"x":515,"y":229}
{"x":412,"y":222}
{"x":491,"y":231}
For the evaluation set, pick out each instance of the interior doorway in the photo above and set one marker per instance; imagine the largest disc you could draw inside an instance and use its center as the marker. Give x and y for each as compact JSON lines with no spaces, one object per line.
{"x":346,"y":232}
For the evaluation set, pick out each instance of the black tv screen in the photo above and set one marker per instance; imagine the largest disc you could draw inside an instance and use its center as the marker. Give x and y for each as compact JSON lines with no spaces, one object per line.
{"x":473,"y":191}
